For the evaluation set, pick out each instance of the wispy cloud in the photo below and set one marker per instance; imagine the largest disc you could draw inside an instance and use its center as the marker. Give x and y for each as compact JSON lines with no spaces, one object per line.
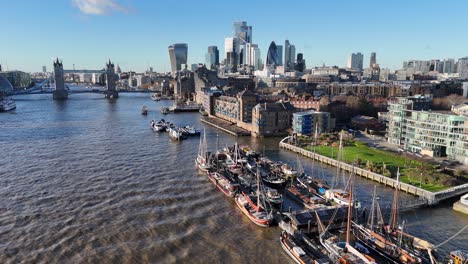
{"x":98,"y":7}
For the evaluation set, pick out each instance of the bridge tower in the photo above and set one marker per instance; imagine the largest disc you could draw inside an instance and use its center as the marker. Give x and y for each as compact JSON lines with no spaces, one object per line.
{"x":60,"y":93}
{"x":110,"y":78}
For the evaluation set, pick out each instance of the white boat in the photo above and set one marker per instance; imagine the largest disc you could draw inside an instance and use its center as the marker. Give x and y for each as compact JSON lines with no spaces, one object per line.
{"x":176,"y":134}
{"x":191,"y":131}
{"x":158,"y":126}
{"x":7,"y":104}
{"x":288,"y":171}
{"x":202,"y":161}
{"x":156,"y":97}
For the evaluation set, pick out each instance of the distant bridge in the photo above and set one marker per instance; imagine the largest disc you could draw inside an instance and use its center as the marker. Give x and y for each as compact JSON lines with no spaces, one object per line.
{"x":39,"y":89}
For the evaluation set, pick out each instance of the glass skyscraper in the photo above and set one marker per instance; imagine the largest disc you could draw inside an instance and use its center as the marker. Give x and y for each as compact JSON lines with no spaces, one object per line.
{"x":178,"y":55}
{"x":212,"y":57}
{"x":272,"y":55}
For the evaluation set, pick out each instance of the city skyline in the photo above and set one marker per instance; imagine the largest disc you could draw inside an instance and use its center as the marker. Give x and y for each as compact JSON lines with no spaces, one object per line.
{"x":135,"y":35}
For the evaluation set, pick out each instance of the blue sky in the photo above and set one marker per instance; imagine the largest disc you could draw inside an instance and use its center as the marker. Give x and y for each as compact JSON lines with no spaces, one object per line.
{"x":135,"y":33}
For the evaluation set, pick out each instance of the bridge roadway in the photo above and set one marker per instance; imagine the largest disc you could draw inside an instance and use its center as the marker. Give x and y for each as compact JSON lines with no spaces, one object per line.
{"x":430,"y":198}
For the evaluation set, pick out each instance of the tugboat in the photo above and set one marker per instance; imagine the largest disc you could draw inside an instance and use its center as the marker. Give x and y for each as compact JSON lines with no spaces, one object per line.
{"x":144,"y":110}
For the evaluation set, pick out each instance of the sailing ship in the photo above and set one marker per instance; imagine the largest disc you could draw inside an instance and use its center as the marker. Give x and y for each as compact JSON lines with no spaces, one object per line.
{"x":301,"y":250}
{"x":339,"y":251}
{"x":312,"y":183}
{"x":416,"y":246}
{"x":257,"y":211}
{"x":372,"y":237}
{"x":202,"y":160}
{"x":338,"y":195}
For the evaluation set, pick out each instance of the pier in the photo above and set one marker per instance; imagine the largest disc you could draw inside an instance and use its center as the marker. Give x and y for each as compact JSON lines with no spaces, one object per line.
{"x":225,"y":126}
{"x":431,"y":198}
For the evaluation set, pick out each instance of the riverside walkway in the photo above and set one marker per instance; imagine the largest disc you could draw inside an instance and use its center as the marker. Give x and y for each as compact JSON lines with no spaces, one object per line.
{"x":431,"y":198}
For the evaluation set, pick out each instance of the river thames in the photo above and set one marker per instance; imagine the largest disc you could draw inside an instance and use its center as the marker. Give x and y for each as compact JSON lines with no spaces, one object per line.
{"x":88,"y":181}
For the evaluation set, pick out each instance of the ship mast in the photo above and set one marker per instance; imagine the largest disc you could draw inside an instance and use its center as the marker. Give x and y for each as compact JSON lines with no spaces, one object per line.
{"x":258,"y":190}
{"x":395,"y":201}
{"x":348,"y":225}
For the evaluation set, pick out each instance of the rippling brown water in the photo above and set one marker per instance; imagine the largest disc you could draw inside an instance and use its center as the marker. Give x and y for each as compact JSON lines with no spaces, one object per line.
{"x":87,"y":180}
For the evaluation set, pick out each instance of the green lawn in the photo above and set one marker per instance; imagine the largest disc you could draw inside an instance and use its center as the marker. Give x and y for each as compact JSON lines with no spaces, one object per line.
{"x":358,"y":150}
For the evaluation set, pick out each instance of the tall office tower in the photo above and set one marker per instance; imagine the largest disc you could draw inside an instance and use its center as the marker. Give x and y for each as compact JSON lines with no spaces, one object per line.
{"x":0,"y":67}
{"x":253,"y":57}
{"x":449,"y":66}
{"x":462,"y":68}
{"x":231,"y":62}
{"x":300,"y":63}
{"x":292,"y":55}
{"x":280,"y":54}
{"x":212,"y":57}
{"x":44,"y":69}
{"x":231,"y":52}
{"x":243,"y":33}
{"x":355,"y":61}
{"x":178,"y":56}
{"x":272,"y":55}
{"x":287,"y":55}
{"x":373,"y":59}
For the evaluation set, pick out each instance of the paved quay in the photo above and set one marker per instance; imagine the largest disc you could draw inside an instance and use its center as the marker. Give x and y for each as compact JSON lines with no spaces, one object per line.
{"x":228,"y":127}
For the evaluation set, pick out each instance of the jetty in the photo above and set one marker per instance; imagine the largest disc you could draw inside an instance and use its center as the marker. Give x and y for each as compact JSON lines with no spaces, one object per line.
{"x":225,"y":126}
{"x":430,"y":198}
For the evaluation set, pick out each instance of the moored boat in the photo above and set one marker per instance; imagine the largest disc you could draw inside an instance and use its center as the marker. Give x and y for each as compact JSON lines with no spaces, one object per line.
{"x":6,"y":104}
{"x":256,"y":211}
{"x":256,"y":214}
{"x":224,"y":184}
{"x":202,"y":159}
{"x":159,"y":126}
{"x":144,"y":110}
{"x":300,"y":251}
{"x":176,"y":134}
{"x":273,"y":196}
{"x":156,"y":96}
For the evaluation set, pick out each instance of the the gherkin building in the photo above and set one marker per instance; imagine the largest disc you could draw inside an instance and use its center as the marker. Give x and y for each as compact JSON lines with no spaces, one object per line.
{"x":272,"y":55}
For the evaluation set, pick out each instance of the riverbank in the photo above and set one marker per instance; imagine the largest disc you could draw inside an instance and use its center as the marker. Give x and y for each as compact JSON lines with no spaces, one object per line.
{"x":430,"y":197}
